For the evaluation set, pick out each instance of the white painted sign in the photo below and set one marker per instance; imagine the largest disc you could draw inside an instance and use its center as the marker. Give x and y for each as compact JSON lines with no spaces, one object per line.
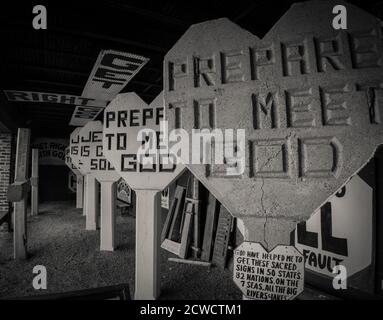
{"x":88,"y":183}
{"x":96,"y":165}
{"x":75,"y":179}
{"x":91,"y":153}
{"x":72,"y":181}
{"x":74,"y":149}
{"x":274,"y":275}
{"x":340,"y":232}
{"x":124,"y":193}
{"x":110,"y":74}
{"x":124,"y":118}
{"x":82,"y":114}
{"x":69,"y":163}
{"x":49,"y":97}
{"x":165,"y":198}
{"x":51,"y":151}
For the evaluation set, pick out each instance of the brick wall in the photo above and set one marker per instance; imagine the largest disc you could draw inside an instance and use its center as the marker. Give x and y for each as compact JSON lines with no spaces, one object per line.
{"x":5,"y":168}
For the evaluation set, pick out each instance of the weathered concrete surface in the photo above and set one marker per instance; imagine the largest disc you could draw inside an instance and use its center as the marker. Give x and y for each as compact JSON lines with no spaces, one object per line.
{"x":59,"y":242}
{"x":95,"y":165}
{"x":91,"y":155}
{"x":79,"y":179}
{"x":74,"y":149}
{"x":124,"y":118}
{"x":308,"y":96}
{"x":126,"y":115}
{"x":69,"y":163}
{"x":283,"y":266}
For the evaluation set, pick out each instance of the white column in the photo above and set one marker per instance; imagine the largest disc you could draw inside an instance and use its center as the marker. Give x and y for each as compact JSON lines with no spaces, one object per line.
{"x":92,"y":205}
{"x":148,"y":229}
{"x":79,"y":191}
{"x":84,"y":196}
{"x":35,"y":182}
{"x":20,"y":229}
{"x":108,"y":215}
{"x":20,"y":208}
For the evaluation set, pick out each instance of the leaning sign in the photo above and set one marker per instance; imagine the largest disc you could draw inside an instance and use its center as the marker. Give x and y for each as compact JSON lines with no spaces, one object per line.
{"x":49,"y":97}
{"x":95,"y":165}
{"x":110,"y":74}
{"x":309,"y":98}
{"x":262,"y":275}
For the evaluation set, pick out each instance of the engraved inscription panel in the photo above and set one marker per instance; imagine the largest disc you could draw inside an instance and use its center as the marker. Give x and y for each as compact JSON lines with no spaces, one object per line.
{"x":92,"y":155}
{"x":309,"y":97}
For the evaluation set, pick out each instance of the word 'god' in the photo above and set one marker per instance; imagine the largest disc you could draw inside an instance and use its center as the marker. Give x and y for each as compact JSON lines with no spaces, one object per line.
{"x":118,"y":140}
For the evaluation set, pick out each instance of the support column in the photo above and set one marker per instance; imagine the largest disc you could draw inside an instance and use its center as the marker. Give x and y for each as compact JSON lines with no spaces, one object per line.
{"x":148,"y":230}
{"x":35,"y":183}
{"x":79,"y":191}
{"x":108,"y":215}
{"x":84,"y":196}
{"x":20,"y":207}
{"x":92,"y":203}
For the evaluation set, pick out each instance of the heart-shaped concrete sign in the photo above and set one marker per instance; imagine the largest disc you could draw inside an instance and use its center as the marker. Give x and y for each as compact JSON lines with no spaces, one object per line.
{"x":75,"y":149}
{"x":91,"y":153}
{"x":69,"y":163}
{"x":124,"y":118}
{"x":309,"y":98}
{"x":274,"y":275}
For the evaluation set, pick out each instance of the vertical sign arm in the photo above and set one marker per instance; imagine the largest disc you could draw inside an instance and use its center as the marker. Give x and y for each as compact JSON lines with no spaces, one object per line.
{"x":79,"y":191}
{"x":148,"y":229}
{"x":20,"y":207}
{"x":91,"y":204}
{"x":108,"y":215}
{"x":35,"y":182}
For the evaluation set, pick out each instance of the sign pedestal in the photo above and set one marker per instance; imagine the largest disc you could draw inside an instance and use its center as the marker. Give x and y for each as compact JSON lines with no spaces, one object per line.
{"x":85,"y":186}
{"x":20,"y":229}
{"x":148,"y":229}
{"x":268,"y":231}
{"x":92,"y":206}
{"x":20,"y":205}
{"x":79,"y":191}
{"x":108,"y":215}
{"x":35,"y":183}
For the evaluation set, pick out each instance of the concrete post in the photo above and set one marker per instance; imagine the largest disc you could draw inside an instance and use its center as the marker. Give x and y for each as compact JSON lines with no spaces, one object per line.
{"x":20,"y":207}
{"x":35,"y":182}
{"x":108,"y":215}
{"x":79,"y":191}
{"x":91,"y":203}
{"x":148,"y":229}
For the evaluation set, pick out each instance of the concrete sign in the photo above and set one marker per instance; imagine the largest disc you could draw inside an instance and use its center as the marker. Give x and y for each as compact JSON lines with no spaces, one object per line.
{"x":124,"y":193}
{"x":72,"y":182}
{"x":340,"y":232}
{"x":309,"y":98}
{"x":124,"y":119}
{"x":95,"y":165}
{"x":51,"y":151}
{"x":274,"y":275}
{"x":90,"y":204}
{"x":91,"y":153}
{"x":79,"y":184}
{"x":110,"y":74}
{"x":69,"y":163}
{"x":49,"y":97}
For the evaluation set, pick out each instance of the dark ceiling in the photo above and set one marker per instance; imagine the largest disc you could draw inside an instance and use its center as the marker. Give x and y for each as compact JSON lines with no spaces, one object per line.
{"x":60,"y":58}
